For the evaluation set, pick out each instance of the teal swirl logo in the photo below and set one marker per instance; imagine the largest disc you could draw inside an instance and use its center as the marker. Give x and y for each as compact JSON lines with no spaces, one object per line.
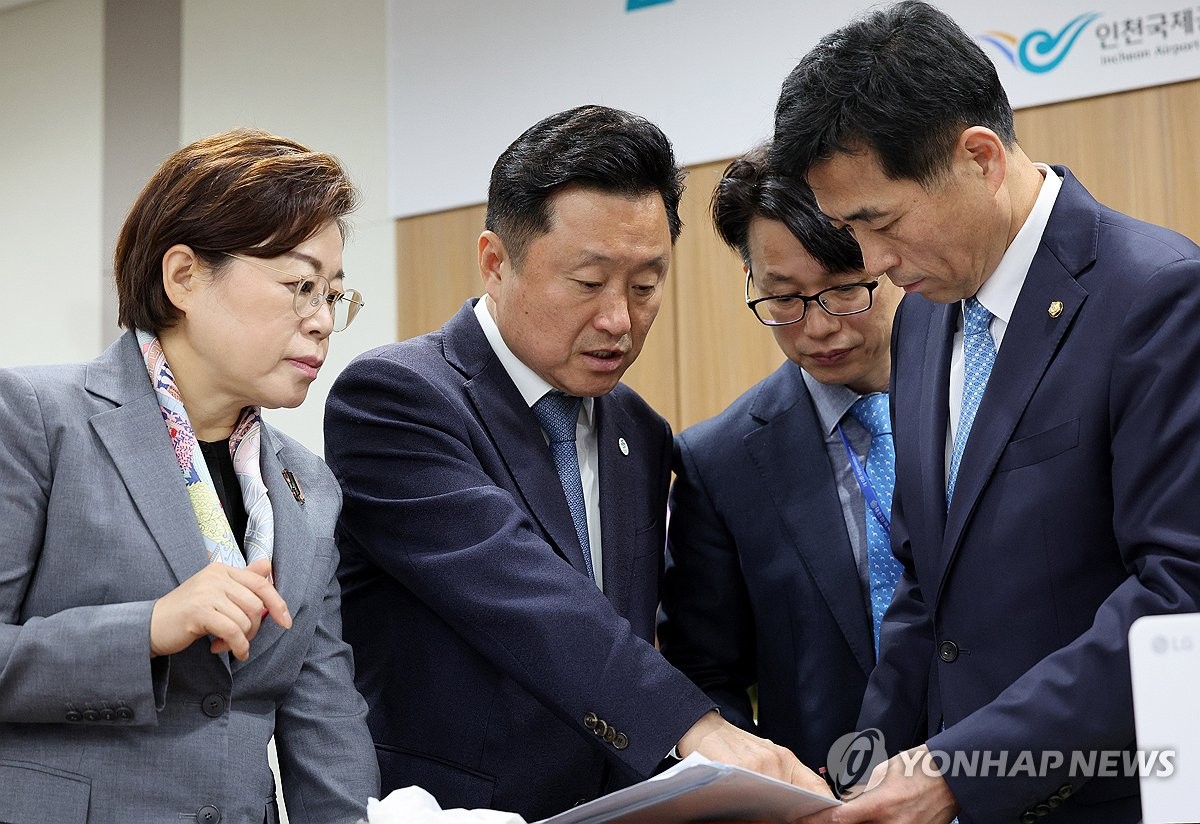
{"x":1039,"y":51}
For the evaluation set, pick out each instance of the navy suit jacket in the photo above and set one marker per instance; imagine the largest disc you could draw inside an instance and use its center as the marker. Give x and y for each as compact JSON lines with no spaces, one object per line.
{"x":761,"y":584}
{"x":1075,"y":512}
{"x":497,"y":674}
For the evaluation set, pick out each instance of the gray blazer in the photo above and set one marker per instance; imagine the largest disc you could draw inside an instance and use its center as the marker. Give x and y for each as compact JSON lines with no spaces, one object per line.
{"x":94,"y":526}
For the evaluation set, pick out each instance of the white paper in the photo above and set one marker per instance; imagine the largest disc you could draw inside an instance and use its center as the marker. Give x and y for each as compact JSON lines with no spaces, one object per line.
{"x":697,"y":789}
{"x":413,"y":805}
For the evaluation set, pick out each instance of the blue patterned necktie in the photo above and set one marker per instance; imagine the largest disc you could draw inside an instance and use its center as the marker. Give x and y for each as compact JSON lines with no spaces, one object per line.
{"x":979,"y":355}
{"x":883,"y":570}
{"x":558,"y":415}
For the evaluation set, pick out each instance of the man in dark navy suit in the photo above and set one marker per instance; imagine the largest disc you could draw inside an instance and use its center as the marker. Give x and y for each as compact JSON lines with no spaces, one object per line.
{"x":769,"y":580}
{"x":505,"y":499}
{"x":1046,"y":406}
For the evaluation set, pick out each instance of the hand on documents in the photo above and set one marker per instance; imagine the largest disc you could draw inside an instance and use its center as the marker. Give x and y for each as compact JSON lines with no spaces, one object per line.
{"x":718,"y":740}
{"x":902,"y":792}
{"x":695,"y":790}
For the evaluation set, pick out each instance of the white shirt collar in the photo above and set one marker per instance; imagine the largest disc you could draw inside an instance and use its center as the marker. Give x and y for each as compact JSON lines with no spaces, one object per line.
{"x":530,"y":384}
{"x":999,"y":292}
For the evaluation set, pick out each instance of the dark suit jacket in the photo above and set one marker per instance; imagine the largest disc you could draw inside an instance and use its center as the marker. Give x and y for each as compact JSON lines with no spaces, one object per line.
{"x":761,"y":584}
{"x":95,"y":526}
{"x":1075,"y":512}
{"x":492,"y":665}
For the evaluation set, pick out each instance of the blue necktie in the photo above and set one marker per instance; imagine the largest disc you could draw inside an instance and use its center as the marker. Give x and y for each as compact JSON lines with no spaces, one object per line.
{"x":979,"y":354}
{"x":883,"y":570}
{"x":558,"y":414}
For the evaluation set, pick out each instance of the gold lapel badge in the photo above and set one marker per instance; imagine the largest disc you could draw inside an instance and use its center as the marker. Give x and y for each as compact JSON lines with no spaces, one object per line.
{"x":1055,"y":308}
{"x":294,"y":485}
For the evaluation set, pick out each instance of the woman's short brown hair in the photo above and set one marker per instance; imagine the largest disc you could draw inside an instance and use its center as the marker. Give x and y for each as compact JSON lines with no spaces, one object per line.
{"x":243,"y":191}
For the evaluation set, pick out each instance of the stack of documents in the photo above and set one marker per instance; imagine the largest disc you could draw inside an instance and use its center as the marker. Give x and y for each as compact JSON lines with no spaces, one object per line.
{"x":697,"y":789}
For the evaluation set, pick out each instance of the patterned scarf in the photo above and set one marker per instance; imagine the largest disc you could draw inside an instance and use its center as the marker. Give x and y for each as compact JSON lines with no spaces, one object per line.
{"x":243,"y":448}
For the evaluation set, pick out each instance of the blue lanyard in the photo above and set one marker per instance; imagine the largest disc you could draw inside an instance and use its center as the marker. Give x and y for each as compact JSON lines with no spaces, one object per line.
{"x":864,"y":483}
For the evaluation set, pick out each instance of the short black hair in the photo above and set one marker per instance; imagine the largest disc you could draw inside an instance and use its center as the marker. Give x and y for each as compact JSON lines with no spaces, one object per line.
{"x":749,"y":188}
{"x":903,"y":82}
{"x":596,"y":147}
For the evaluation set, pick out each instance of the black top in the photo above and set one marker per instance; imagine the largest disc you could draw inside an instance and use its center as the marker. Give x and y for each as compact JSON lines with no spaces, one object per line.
{"x":229,"y":491}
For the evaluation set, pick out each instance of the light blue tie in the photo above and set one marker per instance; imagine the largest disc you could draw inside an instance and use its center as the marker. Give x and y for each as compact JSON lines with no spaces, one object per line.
{"x":979,"y":354}
{"x":558,"y":414}
{"x":883,"y":570}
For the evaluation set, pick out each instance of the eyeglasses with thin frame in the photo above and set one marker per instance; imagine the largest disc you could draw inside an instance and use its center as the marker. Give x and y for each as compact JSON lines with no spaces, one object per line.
{"x":310,"y":292}
{"x":839,"y":301}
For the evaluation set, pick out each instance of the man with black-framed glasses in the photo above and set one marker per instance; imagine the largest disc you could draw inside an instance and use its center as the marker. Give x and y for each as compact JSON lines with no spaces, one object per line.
{"x":779,"y":567}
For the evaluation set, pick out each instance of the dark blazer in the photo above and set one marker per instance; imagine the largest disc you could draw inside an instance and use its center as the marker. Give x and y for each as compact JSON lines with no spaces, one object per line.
{"x":1074,"y":513}
{"x":761,"y":584}
{"x":95,"y":526}
{"x":497,"y":673}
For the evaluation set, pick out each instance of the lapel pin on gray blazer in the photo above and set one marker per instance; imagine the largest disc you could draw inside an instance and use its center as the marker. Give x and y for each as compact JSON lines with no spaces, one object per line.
{"x":293,"y":484}
{"x":1045,"y":399}
{"x":166,"y":608}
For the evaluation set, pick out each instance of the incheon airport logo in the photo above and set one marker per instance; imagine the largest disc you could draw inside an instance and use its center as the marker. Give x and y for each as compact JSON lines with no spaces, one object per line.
{"x":1039,"y":51}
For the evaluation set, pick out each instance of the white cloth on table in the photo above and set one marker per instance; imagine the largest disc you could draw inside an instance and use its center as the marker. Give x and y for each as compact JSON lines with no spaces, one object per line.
{"x":413,"y":805}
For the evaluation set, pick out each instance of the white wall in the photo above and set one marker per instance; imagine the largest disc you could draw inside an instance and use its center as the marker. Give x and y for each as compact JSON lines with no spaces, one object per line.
{"x":307,"y":69}
{"x":51,"y":58}
{"x":310,"y":70}
{"x":316,"y":72}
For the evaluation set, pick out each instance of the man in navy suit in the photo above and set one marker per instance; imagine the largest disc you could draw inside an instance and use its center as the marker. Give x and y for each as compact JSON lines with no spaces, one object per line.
{"x":768,"y":581}
{"x":505,"y":499}
{"x":1046,"y":404}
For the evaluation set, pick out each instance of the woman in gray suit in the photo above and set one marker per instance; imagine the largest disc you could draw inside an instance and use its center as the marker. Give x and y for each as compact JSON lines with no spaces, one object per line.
{"x":167,"y":591}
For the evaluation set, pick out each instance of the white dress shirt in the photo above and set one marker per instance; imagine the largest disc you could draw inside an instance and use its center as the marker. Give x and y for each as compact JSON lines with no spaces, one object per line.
{"x":532,"y":387}
{"x":999,"y":293}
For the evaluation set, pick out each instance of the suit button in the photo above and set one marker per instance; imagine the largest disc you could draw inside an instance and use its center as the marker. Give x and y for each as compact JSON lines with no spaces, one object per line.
{"x":1065,"y":791}
{"x":208,"y":814}
{"x":590,"y":720}
{"x":1028,"y":817}
{"x":1042,"y":810}
{"x":621,"y":741}
{"x":948,"y":651}
{"x":91,"y":715}
{"x":213,"y":705}
{"x":601,"y":728}
{"x":610,"y":735}
{"x":124,"y":714}
{"x":72,"y":715}
{"x":107,"y":715}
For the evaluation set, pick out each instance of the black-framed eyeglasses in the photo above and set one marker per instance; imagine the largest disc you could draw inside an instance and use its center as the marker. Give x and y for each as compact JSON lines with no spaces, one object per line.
{"x":839,"y":301}
{"x":312,"y":291}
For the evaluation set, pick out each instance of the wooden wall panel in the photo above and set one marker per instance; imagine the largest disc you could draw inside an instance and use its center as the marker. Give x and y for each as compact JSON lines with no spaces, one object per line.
{"x":1134,"y":151}
{"x":723,"y":349}
{"x":437,"y":267}
{"x":1181,"y":177}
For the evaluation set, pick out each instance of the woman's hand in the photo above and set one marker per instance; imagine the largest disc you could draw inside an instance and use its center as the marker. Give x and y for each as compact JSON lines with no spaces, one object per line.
{"x":225,"y":602}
